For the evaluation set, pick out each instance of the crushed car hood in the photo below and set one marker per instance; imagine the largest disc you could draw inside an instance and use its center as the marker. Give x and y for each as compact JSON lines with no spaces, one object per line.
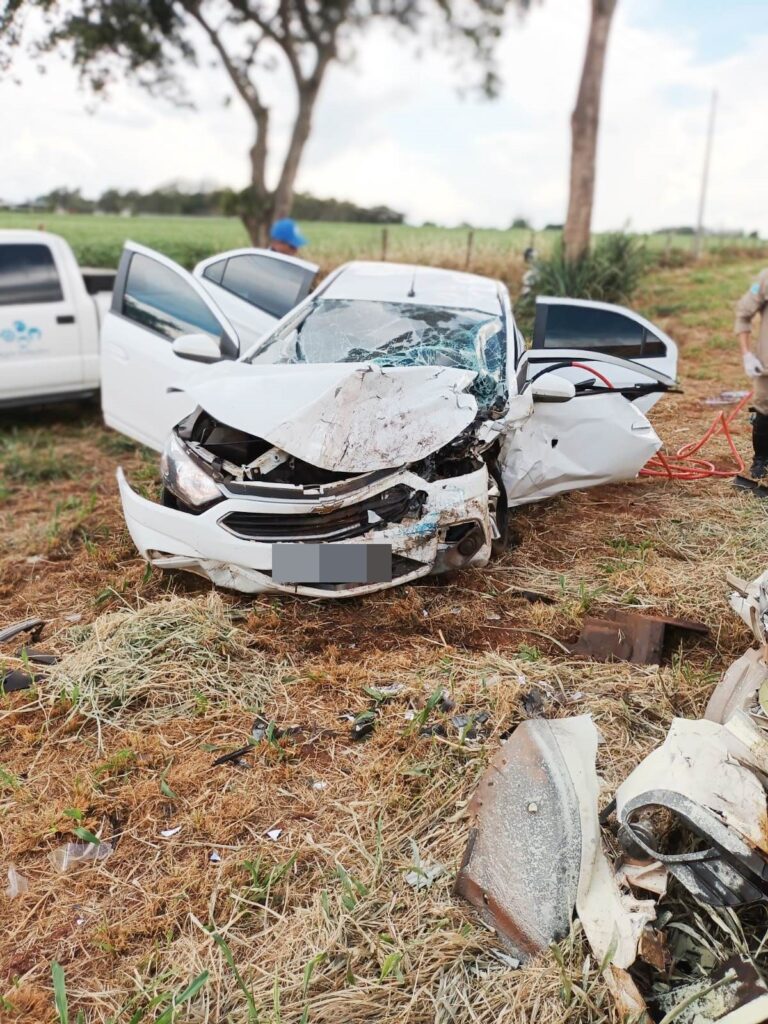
{"x":342,"y":416}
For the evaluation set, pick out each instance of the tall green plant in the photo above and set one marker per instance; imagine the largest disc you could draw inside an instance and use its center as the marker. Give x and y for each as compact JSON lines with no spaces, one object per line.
{"x":609,"y":272}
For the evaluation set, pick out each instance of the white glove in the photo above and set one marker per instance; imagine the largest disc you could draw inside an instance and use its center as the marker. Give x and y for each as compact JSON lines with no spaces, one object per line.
{"x":752,"y":365}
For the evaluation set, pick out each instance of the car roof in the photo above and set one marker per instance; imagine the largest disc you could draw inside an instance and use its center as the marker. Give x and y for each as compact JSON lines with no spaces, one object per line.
{"x":418,"y":285}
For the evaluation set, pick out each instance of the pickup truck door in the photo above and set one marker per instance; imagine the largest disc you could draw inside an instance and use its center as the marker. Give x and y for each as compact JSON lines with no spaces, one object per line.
{"x":255,"y":288}
{"x":40,"y":343}
{"x":154,"y":302}
{"x":582,"y":331}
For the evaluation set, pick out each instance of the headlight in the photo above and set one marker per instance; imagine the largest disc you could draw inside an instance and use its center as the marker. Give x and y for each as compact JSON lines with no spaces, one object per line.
{"x":184,"y":478}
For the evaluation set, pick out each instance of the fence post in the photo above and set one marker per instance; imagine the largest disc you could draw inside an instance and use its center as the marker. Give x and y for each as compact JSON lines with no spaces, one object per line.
{"x":470,"y":240}
{"x":384,"y":238}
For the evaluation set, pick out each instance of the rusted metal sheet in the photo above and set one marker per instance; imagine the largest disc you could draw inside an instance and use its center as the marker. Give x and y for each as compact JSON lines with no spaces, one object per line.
{"x":626,"y":636}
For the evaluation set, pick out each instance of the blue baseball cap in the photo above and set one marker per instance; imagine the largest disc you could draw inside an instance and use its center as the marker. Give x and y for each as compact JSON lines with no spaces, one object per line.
{"x":285,"y":231}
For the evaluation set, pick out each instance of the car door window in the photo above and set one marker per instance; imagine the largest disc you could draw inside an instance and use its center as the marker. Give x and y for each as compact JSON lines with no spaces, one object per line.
{"x":599,"y":330}
{"x":28,"y":275}
{"x":158,"y":298}
{"x":270,"y":284}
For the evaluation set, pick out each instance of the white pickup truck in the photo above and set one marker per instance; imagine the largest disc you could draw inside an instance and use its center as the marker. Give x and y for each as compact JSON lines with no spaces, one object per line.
{"x":51,"y":310}
{"x":50,"y":316}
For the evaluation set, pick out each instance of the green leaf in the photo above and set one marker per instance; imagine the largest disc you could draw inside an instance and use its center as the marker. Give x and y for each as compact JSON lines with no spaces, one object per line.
{"x":309,"y":970}
{"x":390,"y":965}
{"x":60,"y":992}
{"x":167,"y":1016}
{"x":166,"y":790}
{"x":253,"y":1013}
{"x":73,"y":812}
{"x":86,"y":835}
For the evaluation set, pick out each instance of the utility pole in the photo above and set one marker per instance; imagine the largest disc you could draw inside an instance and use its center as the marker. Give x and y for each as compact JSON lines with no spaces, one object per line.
{"x":705,"y":176}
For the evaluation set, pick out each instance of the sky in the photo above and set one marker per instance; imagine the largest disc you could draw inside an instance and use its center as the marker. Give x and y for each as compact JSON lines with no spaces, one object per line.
{"x":392,"y":127}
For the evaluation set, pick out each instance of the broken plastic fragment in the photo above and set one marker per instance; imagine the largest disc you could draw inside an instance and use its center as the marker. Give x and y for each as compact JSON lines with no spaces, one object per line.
{"x":74,"y":854}
{"x":422,"y":875}
{"x":168,"y":833}
{"x":215,"y":857}
{"x":17,"y":884}
{"x":274,"y":834}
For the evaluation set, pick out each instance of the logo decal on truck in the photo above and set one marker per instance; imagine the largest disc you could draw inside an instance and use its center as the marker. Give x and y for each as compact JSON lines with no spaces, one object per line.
{"x":21,"y":333}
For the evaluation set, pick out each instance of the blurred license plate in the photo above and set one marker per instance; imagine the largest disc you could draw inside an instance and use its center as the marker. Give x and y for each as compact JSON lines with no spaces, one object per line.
{"x":332,"y":563}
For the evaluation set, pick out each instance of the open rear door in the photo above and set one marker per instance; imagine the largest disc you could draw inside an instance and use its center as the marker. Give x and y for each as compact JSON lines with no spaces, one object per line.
{"x":611,"y":339}
{"x":155,"y":301}
{"x":255,"y":287}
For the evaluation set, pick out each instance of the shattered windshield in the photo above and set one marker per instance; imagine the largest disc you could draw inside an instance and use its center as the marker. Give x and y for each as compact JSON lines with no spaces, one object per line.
{"x":394,"y":334}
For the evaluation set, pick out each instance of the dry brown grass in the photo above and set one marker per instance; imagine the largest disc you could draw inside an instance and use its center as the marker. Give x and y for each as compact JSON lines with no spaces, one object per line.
{"x":320,"y":924}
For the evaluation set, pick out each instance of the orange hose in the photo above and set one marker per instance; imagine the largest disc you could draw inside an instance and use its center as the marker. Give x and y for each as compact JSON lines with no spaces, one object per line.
{"x":682,"y":465}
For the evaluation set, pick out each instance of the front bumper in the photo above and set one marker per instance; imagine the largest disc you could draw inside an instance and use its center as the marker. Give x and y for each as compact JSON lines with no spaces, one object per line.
{"x":172,"y":539}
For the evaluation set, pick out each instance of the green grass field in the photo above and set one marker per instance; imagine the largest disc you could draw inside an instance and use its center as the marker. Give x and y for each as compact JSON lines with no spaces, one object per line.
{"x":98,"y":239}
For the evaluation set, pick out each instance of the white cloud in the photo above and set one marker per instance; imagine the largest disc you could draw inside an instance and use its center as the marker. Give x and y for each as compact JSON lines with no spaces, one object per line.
{"x":392,"y":129}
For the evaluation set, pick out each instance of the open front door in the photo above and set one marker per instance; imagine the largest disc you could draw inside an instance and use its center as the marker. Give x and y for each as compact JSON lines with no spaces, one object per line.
{"x":155,"y":301}
{"x":564,"y":446}
{"x":587,"y":332}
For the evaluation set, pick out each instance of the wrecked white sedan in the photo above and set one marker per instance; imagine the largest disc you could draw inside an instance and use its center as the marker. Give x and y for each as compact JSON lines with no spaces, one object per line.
{"x":379,"y":432}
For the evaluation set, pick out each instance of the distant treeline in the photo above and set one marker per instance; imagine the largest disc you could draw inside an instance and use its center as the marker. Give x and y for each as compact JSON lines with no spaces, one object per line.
{"x":174,"y":199}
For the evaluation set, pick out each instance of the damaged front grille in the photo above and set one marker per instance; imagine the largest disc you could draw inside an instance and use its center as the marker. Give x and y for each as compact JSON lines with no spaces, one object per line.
{"x":391,"y":506}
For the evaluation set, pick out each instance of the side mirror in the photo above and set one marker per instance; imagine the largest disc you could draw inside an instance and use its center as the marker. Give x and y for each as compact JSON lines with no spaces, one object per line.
{"x":550,"y":387}
{"x":200,"y":348}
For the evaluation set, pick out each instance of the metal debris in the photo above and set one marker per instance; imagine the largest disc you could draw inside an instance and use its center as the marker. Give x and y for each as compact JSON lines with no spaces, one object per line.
{"x":17,"y":680}
{"x":706,"y":776}
{"x":540,"y":794}
{"x":733,"y":994}
{"x":627,"y":636}
{"x":32,"y":626}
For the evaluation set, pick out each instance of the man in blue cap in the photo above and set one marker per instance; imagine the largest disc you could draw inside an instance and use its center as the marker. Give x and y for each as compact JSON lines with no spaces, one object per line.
{"x":285,"y":237}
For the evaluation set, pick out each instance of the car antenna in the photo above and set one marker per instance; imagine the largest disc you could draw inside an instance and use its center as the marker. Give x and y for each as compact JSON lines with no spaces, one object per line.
{"x":412,"y":292}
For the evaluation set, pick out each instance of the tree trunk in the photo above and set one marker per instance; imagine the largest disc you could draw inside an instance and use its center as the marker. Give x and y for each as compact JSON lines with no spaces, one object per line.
{"x":585,"y":122}
{"x":262,"y":207}
{"x":257,"y":203}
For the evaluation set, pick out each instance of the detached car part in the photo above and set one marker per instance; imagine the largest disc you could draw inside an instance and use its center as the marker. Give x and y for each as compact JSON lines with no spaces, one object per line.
{"x":750,"y":602}
{"x":708,"y":778}
{"x":32,"y":626}
{"x":627,"y":636}
{"x":535,"y":854}
{"x":734,"y":993}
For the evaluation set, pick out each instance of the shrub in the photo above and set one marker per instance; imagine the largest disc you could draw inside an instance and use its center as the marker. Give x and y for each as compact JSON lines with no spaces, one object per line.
{"x":609,"y":272}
